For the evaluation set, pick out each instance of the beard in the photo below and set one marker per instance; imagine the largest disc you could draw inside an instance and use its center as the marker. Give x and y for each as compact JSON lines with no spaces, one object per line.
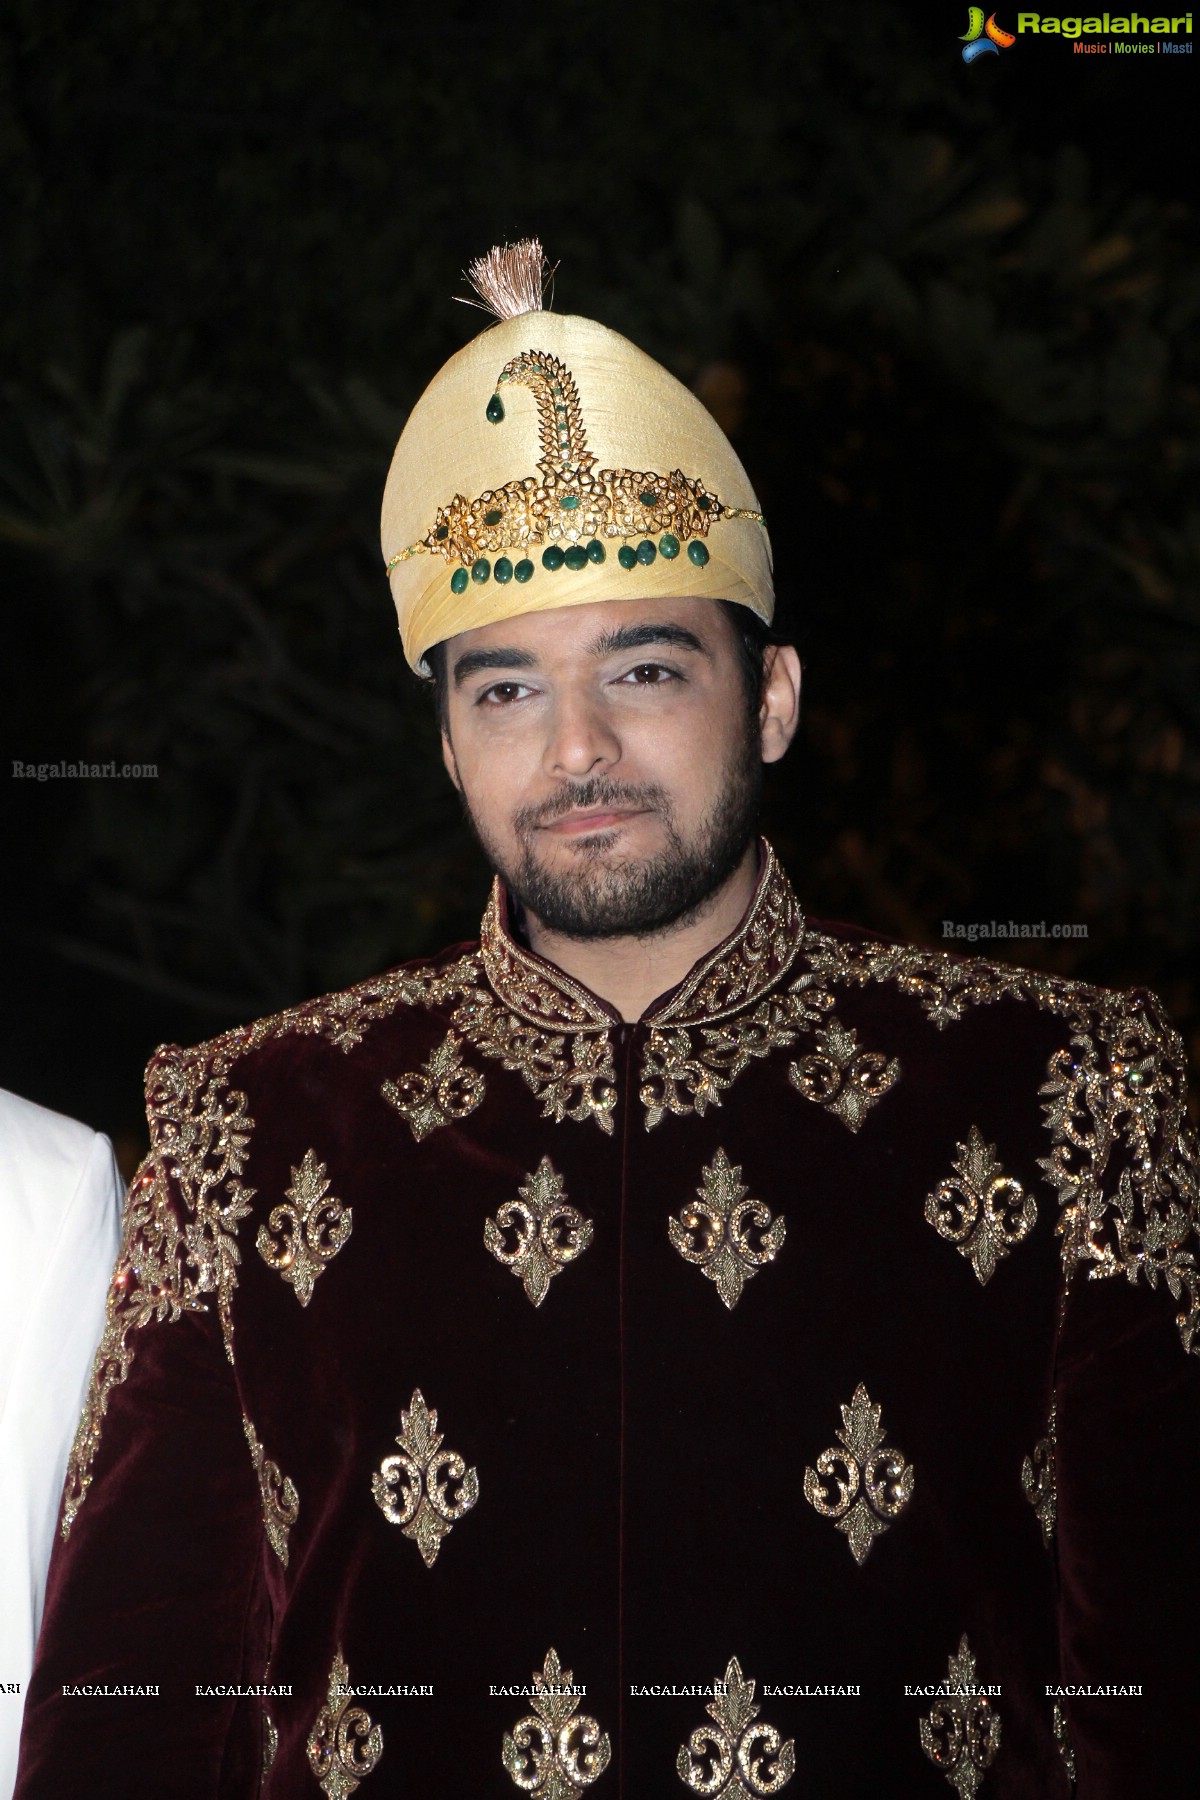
{"x":638,"y":897}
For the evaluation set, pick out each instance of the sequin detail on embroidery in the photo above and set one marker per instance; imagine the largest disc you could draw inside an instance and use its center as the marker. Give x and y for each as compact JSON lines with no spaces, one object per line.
{"x":843,"y":1079}
{"x":727,"y":1236}
{"x":962,"y":1733}
{"x":1037,"y":1479}
{"x":1062,"y":1738}
{"x":280,"y":1501}
{"x":270,"y":1740}
{"x":412,"y":1490}
{"x":877,"y":1483}
{"x":551,"y":1753}
{"x":439,"y":1093}
{"x":310,"y":1229}
{"x":979,"y":1209}
{"x":735,"y":1758}
{"x":547,"y":1232}
{"x":343,"y":1745}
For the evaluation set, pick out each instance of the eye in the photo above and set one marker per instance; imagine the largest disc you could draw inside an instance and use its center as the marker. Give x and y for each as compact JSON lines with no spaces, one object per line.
{"x":502,"y":693}
{"x":649,"y":675}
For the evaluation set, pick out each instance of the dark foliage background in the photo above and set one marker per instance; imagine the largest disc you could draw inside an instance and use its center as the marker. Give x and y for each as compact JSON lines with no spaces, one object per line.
{"x":948,"y":315}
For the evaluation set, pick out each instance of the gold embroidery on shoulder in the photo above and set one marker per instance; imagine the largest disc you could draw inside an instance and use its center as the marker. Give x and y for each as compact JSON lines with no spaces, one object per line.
{"x":439,"y":1092}
{"x":738,"y":1758}
{"x":422,"y":1473}
{"x":549,"y":1232}
{"x":312,"y":1228}
{"x":573,"y":1078}
{"x":878,"y":1483}
{"x":962,"y":1733}
{"x":551,"y":1753}
{"x":1037,"y":1479}
{"x":171,"y":1254}
{"x":343,"y":1019}
{"x":1062,"y":1738}
{"x":843,"y":1079}
{"x":980,"y":1209}
{"x":343,"y":1745}
{"x":280,"y":1501}
{"x":729,"y":1237}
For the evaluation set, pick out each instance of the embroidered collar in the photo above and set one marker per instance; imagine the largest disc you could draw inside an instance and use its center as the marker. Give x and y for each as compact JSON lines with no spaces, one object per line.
{"x":749,"y":962}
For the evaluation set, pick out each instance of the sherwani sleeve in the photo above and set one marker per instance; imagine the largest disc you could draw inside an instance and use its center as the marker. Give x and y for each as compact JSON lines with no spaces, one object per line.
{"x":1127,"y":1456}
{"x":154,"y":1583}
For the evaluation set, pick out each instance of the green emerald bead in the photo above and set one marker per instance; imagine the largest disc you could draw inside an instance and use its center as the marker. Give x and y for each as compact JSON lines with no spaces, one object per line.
{"x":703,"y":502}
{"x":576,"y":557}
{"x":459,"y":581}
{"x":627,"y":556}
{"x":552,"y":557}
{"x":668,"y":545}
{"x":524,"y":569}
{"x":595,"y":551}
{"x":569,"y":502}
{"x":648,"y":499}
{"x":698,"y":553}
{"x":494,"y":516}
{"x":481,"y":568}
{"x":646,"y":552}
{"x":503,"y":570}
{"x":495,"y":409}
{"x":442,"y":532}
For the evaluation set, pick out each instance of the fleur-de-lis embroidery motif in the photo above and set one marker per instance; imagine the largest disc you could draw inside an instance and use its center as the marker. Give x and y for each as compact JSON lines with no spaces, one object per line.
{"x":727,"y":1236}
{"x":962,"y":1733}
{"x":551,"y":1753}
{"x":550,"y":1232}
{"x":424,"y":1507}
{"x":312,"y":1229}
{"x":440,"y":1091}
{"x":843,"y":1079}
{"x":1037,"y":1479}
{"x":878,"y":1483}
{"x":738,"y":1758}
{"x":280,"y":1501}
{"x":980,"y":1209}
{"x":343,"y":1745}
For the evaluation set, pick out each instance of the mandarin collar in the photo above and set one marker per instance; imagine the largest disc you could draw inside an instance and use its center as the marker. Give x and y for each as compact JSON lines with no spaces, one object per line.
{"x":752,"y":959}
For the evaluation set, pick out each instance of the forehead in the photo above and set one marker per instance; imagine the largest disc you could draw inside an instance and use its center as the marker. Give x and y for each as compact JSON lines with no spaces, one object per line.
{"x":570,"y":632}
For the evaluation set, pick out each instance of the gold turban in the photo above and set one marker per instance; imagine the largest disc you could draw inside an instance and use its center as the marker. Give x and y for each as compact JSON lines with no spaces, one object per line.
{"x":552,"y":463}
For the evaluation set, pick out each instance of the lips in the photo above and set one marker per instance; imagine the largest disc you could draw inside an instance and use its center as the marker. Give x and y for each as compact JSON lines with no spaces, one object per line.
{"x":578,"y":824}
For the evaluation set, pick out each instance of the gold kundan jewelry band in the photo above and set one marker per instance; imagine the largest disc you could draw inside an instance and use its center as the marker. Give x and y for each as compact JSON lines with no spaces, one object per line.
{"x":634,"y":489}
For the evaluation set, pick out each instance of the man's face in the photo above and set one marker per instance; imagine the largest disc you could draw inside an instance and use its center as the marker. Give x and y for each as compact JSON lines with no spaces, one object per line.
{"x":608,"y":759}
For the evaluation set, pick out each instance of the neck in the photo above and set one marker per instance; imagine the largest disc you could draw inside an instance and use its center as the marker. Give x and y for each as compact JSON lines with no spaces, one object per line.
{"x":630,"y":972}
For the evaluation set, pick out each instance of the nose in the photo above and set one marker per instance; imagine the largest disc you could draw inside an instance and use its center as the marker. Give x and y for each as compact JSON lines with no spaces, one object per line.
{"x":581,"y":740}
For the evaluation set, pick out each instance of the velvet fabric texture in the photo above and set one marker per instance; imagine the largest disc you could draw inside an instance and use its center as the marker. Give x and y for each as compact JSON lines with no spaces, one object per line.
{"x":641,"y":1414}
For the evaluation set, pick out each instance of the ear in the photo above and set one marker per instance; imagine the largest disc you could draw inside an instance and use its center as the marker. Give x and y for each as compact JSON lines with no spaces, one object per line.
{"x":448,"y":760}
{"x":779,"y":714}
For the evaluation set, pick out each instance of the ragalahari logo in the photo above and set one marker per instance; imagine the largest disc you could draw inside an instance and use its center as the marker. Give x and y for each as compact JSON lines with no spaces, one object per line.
{"x":982,"y":39}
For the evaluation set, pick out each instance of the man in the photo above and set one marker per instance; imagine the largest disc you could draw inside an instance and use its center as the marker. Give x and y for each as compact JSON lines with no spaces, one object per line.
{"x":60,"y":1203}
{"x":655,"y":1348}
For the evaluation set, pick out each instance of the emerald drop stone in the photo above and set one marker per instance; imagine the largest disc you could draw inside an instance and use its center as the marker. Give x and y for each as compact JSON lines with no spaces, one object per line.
{"x":503,"y":570}
{"x":458,"y":581}
{"x":627,"y":556}
{"x":524,"y":569}
{"x":595,"y":551}
{"x":493,"y":517}
{"x":648,"y":499}
{"x":481,"y":568}
{"x":552,"y":557}
{"x":495,"y":409}
{"x":703,"y":502}
{"x":668,"y":545}
{"x":442,"y":532}
{"x":569,"y":502}
{"x":646,"y":552}
{"x":576,"y":557}
{"x":698,"y":553}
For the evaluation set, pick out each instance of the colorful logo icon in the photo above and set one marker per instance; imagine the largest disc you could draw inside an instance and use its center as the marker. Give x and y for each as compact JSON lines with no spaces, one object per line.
{"x":982,"y":39}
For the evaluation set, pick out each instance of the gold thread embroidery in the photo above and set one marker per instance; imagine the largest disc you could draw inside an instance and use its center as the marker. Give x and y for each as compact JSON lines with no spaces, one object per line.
{"x":270,"y":1740}
{"x":727,"y":1236}
{"x":878,"y":1483}
{"x":280,"y":1501}
{"x":551,"y":1753}
{"x":962,"y":1733}
{"x":423,"y":1471}
{"x":843,"y":1079}
{"x":738,"y":1758}
{"x":576,"y":1084}
{"x":980,"y":1210}
{"x":343,"y":1745}
{"x":549,"y":1231}
{"x":312,"y":1228}
{"x":1062,"y":1738}
{"x":1037,"y":1479}
{"x":438,"y":1093}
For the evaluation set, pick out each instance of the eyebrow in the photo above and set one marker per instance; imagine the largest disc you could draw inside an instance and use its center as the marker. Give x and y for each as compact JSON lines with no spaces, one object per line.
{"x":471,"y":661}
{"x":609,"y":643}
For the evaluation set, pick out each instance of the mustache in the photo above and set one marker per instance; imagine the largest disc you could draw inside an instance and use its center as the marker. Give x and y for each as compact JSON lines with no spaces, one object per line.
{"x":597,"y":792}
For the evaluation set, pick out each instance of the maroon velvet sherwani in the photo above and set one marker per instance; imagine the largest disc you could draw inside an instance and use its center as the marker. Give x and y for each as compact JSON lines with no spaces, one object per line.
{"x":782,"y":1392}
